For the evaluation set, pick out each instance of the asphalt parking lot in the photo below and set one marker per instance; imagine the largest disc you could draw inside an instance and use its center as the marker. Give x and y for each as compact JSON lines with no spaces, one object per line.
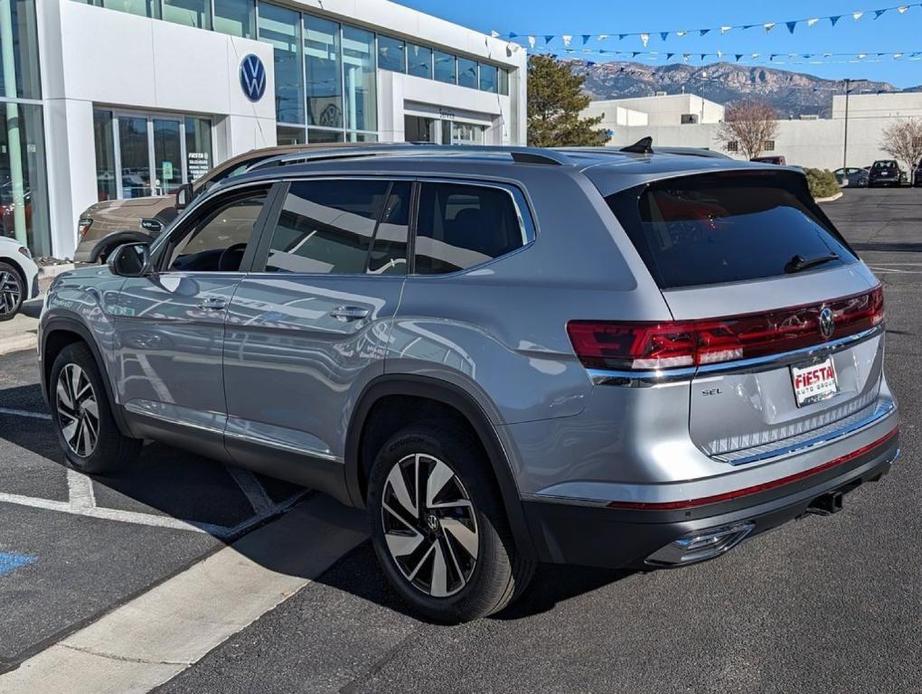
{"x":831,"y":604}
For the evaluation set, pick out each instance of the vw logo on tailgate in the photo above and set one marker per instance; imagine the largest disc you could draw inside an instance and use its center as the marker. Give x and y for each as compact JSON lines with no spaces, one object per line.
{"x":827,"y":323}
{"x":253,"y":77}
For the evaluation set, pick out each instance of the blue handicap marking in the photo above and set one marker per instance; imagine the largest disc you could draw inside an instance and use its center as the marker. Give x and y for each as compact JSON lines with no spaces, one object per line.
{"x":11,"y":562}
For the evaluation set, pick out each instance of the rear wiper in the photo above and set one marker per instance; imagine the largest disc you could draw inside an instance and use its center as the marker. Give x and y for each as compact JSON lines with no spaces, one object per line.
{"x":798,"y":263}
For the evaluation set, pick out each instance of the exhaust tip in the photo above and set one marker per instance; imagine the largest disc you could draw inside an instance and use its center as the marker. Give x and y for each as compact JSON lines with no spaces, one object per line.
{"x":700,"y":546}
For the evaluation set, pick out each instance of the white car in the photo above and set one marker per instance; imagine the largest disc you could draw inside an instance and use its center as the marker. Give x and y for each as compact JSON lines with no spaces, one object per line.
{"x":18,"y":277}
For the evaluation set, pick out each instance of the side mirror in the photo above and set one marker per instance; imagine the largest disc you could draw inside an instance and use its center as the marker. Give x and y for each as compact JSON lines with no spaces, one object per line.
{"x":130,"y":260}
{"x":184,"y":195}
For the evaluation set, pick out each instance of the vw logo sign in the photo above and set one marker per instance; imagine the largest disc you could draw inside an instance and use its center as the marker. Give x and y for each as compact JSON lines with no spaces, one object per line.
{"x":827,"y":323}
{"x":253,"y":77}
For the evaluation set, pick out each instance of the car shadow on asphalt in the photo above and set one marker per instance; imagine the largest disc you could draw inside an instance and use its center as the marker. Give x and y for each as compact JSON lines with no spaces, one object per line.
{"x":172,"y":483}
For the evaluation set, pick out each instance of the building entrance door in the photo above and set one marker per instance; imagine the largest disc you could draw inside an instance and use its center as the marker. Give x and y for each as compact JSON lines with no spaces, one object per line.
{"x":168,"y":156}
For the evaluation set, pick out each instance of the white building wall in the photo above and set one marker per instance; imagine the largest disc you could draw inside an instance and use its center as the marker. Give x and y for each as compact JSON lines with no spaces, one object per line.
{"x":93,"y":56}
{"x":808,"y":143}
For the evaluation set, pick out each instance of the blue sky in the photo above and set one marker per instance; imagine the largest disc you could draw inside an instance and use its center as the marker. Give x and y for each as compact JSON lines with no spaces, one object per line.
{"x":891,"y":33}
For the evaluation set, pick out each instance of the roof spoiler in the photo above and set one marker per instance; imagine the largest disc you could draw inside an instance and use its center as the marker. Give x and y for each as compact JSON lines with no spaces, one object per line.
{"x":642,"y":146}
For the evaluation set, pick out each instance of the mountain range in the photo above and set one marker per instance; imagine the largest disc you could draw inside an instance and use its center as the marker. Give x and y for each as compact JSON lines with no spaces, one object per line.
{"x":792,"y":94}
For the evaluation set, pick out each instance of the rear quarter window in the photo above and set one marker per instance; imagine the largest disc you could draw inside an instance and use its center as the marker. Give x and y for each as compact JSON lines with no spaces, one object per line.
{"x":726,"y":227}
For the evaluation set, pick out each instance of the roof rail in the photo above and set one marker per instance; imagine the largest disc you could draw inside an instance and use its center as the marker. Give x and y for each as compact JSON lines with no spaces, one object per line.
{"x":677,"y":151}
{"x":522,"y":155}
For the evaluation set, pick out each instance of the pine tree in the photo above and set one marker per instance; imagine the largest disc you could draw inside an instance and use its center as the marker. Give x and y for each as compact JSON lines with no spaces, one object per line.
{"x":555,"y":100}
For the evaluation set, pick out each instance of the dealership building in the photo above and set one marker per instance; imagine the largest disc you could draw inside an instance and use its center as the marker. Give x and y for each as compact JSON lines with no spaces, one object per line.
{"x":119,"y":99}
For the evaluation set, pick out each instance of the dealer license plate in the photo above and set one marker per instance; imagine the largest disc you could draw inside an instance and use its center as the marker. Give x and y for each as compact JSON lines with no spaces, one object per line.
{"x":815,"y":382}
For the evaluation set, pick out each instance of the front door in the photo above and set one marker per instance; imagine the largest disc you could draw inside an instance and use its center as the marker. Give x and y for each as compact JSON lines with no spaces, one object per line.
{"x":170,"y":327}
{"x":167,"y":155}
{"x":307,"y":330}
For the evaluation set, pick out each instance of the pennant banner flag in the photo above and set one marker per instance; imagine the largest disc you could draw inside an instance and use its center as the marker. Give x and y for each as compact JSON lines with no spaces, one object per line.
{"x":791,"y":25}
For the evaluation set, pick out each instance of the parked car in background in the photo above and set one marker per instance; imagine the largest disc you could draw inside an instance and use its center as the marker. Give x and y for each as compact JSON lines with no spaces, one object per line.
{"x":917,"y":176}
{"x":18,"y":277}
{"x":885,"y":172}
{"x":852,"y":177}
{"x":106,"y":225}
{"x":404,"y":330}
{"x":776,"y":160}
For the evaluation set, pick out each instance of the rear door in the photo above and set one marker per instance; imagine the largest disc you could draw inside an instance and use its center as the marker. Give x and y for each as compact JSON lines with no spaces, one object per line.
{"x":786,"y":316}
{"x":307,"y":329}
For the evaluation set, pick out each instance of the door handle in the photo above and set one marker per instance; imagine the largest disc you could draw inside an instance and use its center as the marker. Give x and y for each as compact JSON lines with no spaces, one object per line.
{"x":213,"y":303}
{"x":347,"y":313}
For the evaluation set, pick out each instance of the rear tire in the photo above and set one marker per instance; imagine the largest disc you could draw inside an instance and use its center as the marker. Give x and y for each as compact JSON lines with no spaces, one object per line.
{"x":12,"y":291}
{"x":439,"y":528}
{"x":86,"y":429}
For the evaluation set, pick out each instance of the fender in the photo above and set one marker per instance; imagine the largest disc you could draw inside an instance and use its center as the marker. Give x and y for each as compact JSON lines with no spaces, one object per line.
{"x":66,"y":324}
{"x":456,"y":397}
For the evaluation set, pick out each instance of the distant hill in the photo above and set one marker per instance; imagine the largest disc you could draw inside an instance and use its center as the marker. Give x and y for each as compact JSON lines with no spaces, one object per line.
{"x":791,"y":93}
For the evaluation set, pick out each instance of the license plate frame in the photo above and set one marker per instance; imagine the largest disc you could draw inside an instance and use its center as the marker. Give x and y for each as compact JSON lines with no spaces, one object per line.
{"x":814,"y":382}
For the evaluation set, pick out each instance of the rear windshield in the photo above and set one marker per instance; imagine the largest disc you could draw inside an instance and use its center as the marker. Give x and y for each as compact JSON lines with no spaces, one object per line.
{"x":884,"y":165}
{"x":726,"y":227}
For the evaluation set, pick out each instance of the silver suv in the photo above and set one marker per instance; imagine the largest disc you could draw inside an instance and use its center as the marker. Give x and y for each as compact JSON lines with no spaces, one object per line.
{"x":508,"y":356}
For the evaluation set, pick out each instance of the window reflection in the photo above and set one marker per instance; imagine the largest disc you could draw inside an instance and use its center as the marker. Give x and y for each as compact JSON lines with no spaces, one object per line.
{"x":322,"y":72}
{"x":358,"y":63}
{"x":282,"y":29}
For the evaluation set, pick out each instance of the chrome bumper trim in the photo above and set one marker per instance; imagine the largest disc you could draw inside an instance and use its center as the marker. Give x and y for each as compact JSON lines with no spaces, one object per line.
{"x":884,"y":409}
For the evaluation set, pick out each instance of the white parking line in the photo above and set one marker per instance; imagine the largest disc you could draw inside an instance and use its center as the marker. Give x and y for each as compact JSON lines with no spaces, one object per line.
{"x":153,"y":638}
{"x":25,"y":413}
{"x":81,"y":500}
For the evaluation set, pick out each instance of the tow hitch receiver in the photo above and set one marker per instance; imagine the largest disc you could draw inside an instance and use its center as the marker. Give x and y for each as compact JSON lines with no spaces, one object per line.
{"x":827,"y":504}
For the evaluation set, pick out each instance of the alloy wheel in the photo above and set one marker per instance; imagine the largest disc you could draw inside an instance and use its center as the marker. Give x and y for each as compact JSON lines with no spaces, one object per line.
{"x":78,"y":410}
{"x":429,"y":525}
{"x":10,"y":292}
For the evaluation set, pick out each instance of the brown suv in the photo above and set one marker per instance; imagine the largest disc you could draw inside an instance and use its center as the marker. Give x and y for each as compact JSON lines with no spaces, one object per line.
{"x":108,"y":224}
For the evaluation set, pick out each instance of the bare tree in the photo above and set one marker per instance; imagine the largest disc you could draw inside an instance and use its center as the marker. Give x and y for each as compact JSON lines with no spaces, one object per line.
{"x":903,"y":141}
{"x":747,"y":126}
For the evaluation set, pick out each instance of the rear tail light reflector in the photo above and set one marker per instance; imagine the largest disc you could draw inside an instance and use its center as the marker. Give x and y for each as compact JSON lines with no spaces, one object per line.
{"x":678,"y":344}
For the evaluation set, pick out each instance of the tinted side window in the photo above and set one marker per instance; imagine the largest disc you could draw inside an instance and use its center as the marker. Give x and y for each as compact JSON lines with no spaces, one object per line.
{"x":461,"y":226}
{"x":219,"y":238}
{"x":389,"y":252}
{"x":326,"y":226}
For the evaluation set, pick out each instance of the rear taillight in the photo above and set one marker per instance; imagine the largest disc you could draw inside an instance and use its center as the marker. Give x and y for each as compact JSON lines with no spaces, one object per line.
{"x":669,"y":345}
{"x":83,"y":226}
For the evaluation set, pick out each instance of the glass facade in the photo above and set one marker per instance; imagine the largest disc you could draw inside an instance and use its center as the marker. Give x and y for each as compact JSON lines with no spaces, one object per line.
{"x":467,"y":73}
{"x":235,"y":17}
{"x":192,"y":13}
{"x":419,"y":61}
{"x":392,"y":54}
{"x":445,"y":67}
{"x":359,"y":79}
{"x":323,"y":72}
{"x":281,"y":28}
{"x":23,"y":185}
{"x":139,"y":154}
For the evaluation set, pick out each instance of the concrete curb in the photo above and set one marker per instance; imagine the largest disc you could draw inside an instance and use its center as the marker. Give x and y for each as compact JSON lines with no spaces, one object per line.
{"x":18,"y":343}
{"x":830,"y":199}
{"x":48,"y":271}
{"x":154,"y":637}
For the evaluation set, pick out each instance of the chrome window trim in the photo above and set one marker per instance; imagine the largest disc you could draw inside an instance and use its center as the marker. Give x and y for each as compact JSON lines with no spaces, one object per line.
{"x":646,"y":379}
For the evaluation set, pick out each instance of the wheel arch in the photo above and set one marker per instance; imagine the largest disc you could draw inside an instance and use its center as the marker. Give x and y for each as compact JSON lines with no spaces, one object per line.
{"x":451,"y":396}
{"x":57,"y":334}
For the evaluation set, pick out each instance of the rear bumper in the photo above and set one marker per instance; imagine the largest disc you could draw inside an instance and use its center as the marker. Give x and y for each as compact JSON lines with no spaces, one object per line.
{"x":594,"y":535}
{"x":87,"y":251}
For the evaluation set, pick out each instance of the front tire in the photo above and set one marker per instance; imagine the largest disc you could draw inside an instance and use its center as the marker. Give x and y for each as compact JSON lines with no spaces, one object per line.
{"x":12,"y":291}
{"x":86,"y":429}
{"x":438,"y":526}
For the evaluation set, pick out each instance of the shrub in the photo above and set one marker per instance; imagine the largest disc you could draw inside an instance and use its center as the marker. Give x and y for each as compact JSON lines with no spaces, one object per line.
{"x":822,"y":182}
